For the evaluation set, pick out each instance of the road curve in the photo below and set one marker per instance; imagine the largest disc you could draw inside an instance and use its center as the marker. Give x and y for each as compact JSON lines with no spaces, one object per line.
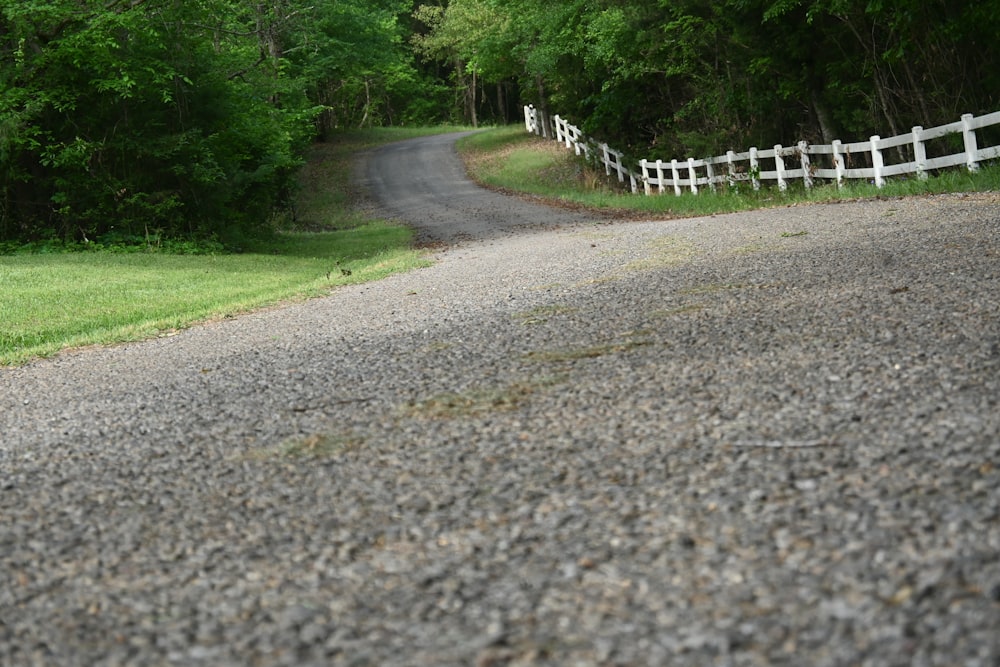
{"x":423,"y":182}
{"x":770,"y":438}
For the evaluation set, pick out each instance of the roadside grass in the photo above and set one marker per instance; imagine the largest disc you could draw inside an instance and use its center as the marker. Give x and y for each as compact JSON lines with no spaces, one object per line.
{"x":510,"y":159}
{"x":54,"y":301}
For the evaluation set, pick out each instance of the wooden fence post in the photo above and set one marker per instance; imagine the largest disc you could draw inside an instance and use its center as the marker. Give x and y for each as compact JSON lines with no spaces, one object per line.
{"x":971,"y":145}
{"x":838,"y":162}
{"x":644,"y":166}
{"x":660,"y":175}
{"x":730,"y":168}
{"x":779,"y":167}
{"x":807,"y":178}
{"x":710,"y":173}
{"x":754,"y":168}
{"x":878,"y":163}
{"x":692,"y":176}
{"x":676,"y":176}
{"x":919,"y":152}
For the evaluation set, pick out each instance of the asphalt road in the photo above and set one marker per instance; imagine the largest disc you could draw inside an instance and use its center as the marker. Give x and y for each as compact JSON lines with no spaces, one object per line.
{"x":423,"y":182}
{"x":755,"y":439}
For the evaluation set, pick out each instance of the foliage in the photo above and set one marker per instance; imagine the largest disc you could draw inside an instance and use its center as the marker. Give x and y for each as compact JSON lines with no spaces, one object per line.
{"x":699,"y":77}
{"x":173,"y":119}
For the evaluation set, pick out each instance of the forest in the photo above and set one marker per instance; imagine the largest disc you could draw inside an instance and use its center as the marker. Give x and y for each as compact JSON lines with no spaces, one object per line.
{"x":190,"y":118}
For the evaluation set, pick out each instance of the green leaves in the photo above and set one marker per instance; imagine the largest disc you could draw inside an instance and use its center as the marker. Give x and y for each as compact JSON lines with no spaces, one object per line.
{"x":190,"y":116}
{"x":686,"y":76}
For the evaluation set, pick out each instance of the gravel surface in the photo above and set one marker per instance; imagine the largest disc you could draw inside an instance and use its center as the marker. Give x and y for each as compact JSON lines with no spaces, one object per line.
{"x":757,"y":439}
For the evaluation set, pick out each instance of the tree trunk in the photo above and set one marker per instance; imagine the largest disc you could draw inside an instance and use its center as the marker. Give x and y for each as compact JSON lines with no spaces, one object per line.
{"x":872,"y":51}
{"x":472,"y":106}
{"x":368,"y":103}
{"x":502,"y":103}
{"x":543,"y":108}
{"x":826,"y":126}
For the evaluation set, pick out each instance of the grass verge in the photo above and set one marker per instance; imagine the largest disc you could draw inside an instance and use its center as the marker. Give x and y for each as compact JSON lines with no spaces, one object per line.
{"x":54,"y":301}
{"x":510,"y":159}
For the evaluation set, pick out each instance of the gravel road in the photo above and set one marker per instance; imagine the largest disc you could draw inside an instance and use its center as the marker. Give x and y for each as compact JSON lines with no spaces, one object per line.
{"x":770,"y":438}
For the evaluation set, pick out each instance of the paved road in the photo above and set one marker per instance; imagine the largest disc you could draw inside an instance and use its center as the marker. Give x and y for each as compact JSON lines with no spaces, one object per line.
{"x":424,"y":183}
{"x":755,"y":439}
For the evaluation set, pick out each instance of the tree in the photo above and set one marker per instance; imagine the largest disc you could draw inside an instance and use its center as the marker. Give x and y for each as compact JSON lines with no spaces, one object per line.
{"x":696,"y":77}
{"x":472,"y":37}
{"x":138,"y":117}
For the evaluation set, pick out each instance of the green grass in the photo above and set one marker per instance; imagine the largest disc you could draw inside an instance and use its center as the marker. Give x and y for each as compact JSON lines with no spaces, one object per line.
{"x":509,"y":158}
{"x":55,"y":301}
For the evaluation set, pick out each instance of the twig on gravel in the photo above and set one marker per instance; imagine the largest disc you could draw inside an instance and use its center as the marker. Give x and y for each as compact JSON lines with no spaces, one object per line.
{"x":783,"y":444}
{"x":343,"y":401}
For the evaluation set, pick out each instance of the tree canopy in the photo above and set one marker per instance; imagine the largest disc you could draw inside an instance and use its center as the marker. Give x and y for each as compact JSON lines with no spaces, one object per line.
{"x":132,"y":117}
{"x":704,"y":77}
{"x":190,"y":117}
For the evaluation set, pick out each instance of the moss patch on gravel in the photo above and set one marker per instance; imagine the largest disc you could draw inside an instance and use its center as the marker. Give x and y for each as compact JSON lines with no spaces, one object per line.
{"x":480,"y":401}
{"x":629,"y":341}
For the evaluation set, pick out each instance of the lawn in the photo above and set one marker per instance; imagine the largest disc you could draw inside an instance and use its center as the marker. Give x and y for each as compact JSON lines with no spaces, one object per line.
{"x":49,"y":302}
{"x":52,"y":301}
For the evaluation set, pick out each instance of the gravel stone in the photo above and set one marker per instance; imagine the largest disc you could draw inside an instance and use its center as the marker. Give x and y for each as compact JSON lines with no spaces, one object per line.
{"x":570,"y":441}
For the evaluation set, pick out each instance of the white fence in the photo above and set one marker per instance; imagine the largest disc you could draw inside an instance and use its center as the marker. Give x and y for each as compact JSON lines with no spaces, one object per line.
{"x":837,"y":162}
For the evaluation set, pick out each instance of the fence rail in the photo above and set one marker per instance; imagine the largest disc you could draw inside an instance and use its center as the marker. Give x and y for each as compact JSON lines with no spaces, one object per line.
{"x":836,"y":162}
